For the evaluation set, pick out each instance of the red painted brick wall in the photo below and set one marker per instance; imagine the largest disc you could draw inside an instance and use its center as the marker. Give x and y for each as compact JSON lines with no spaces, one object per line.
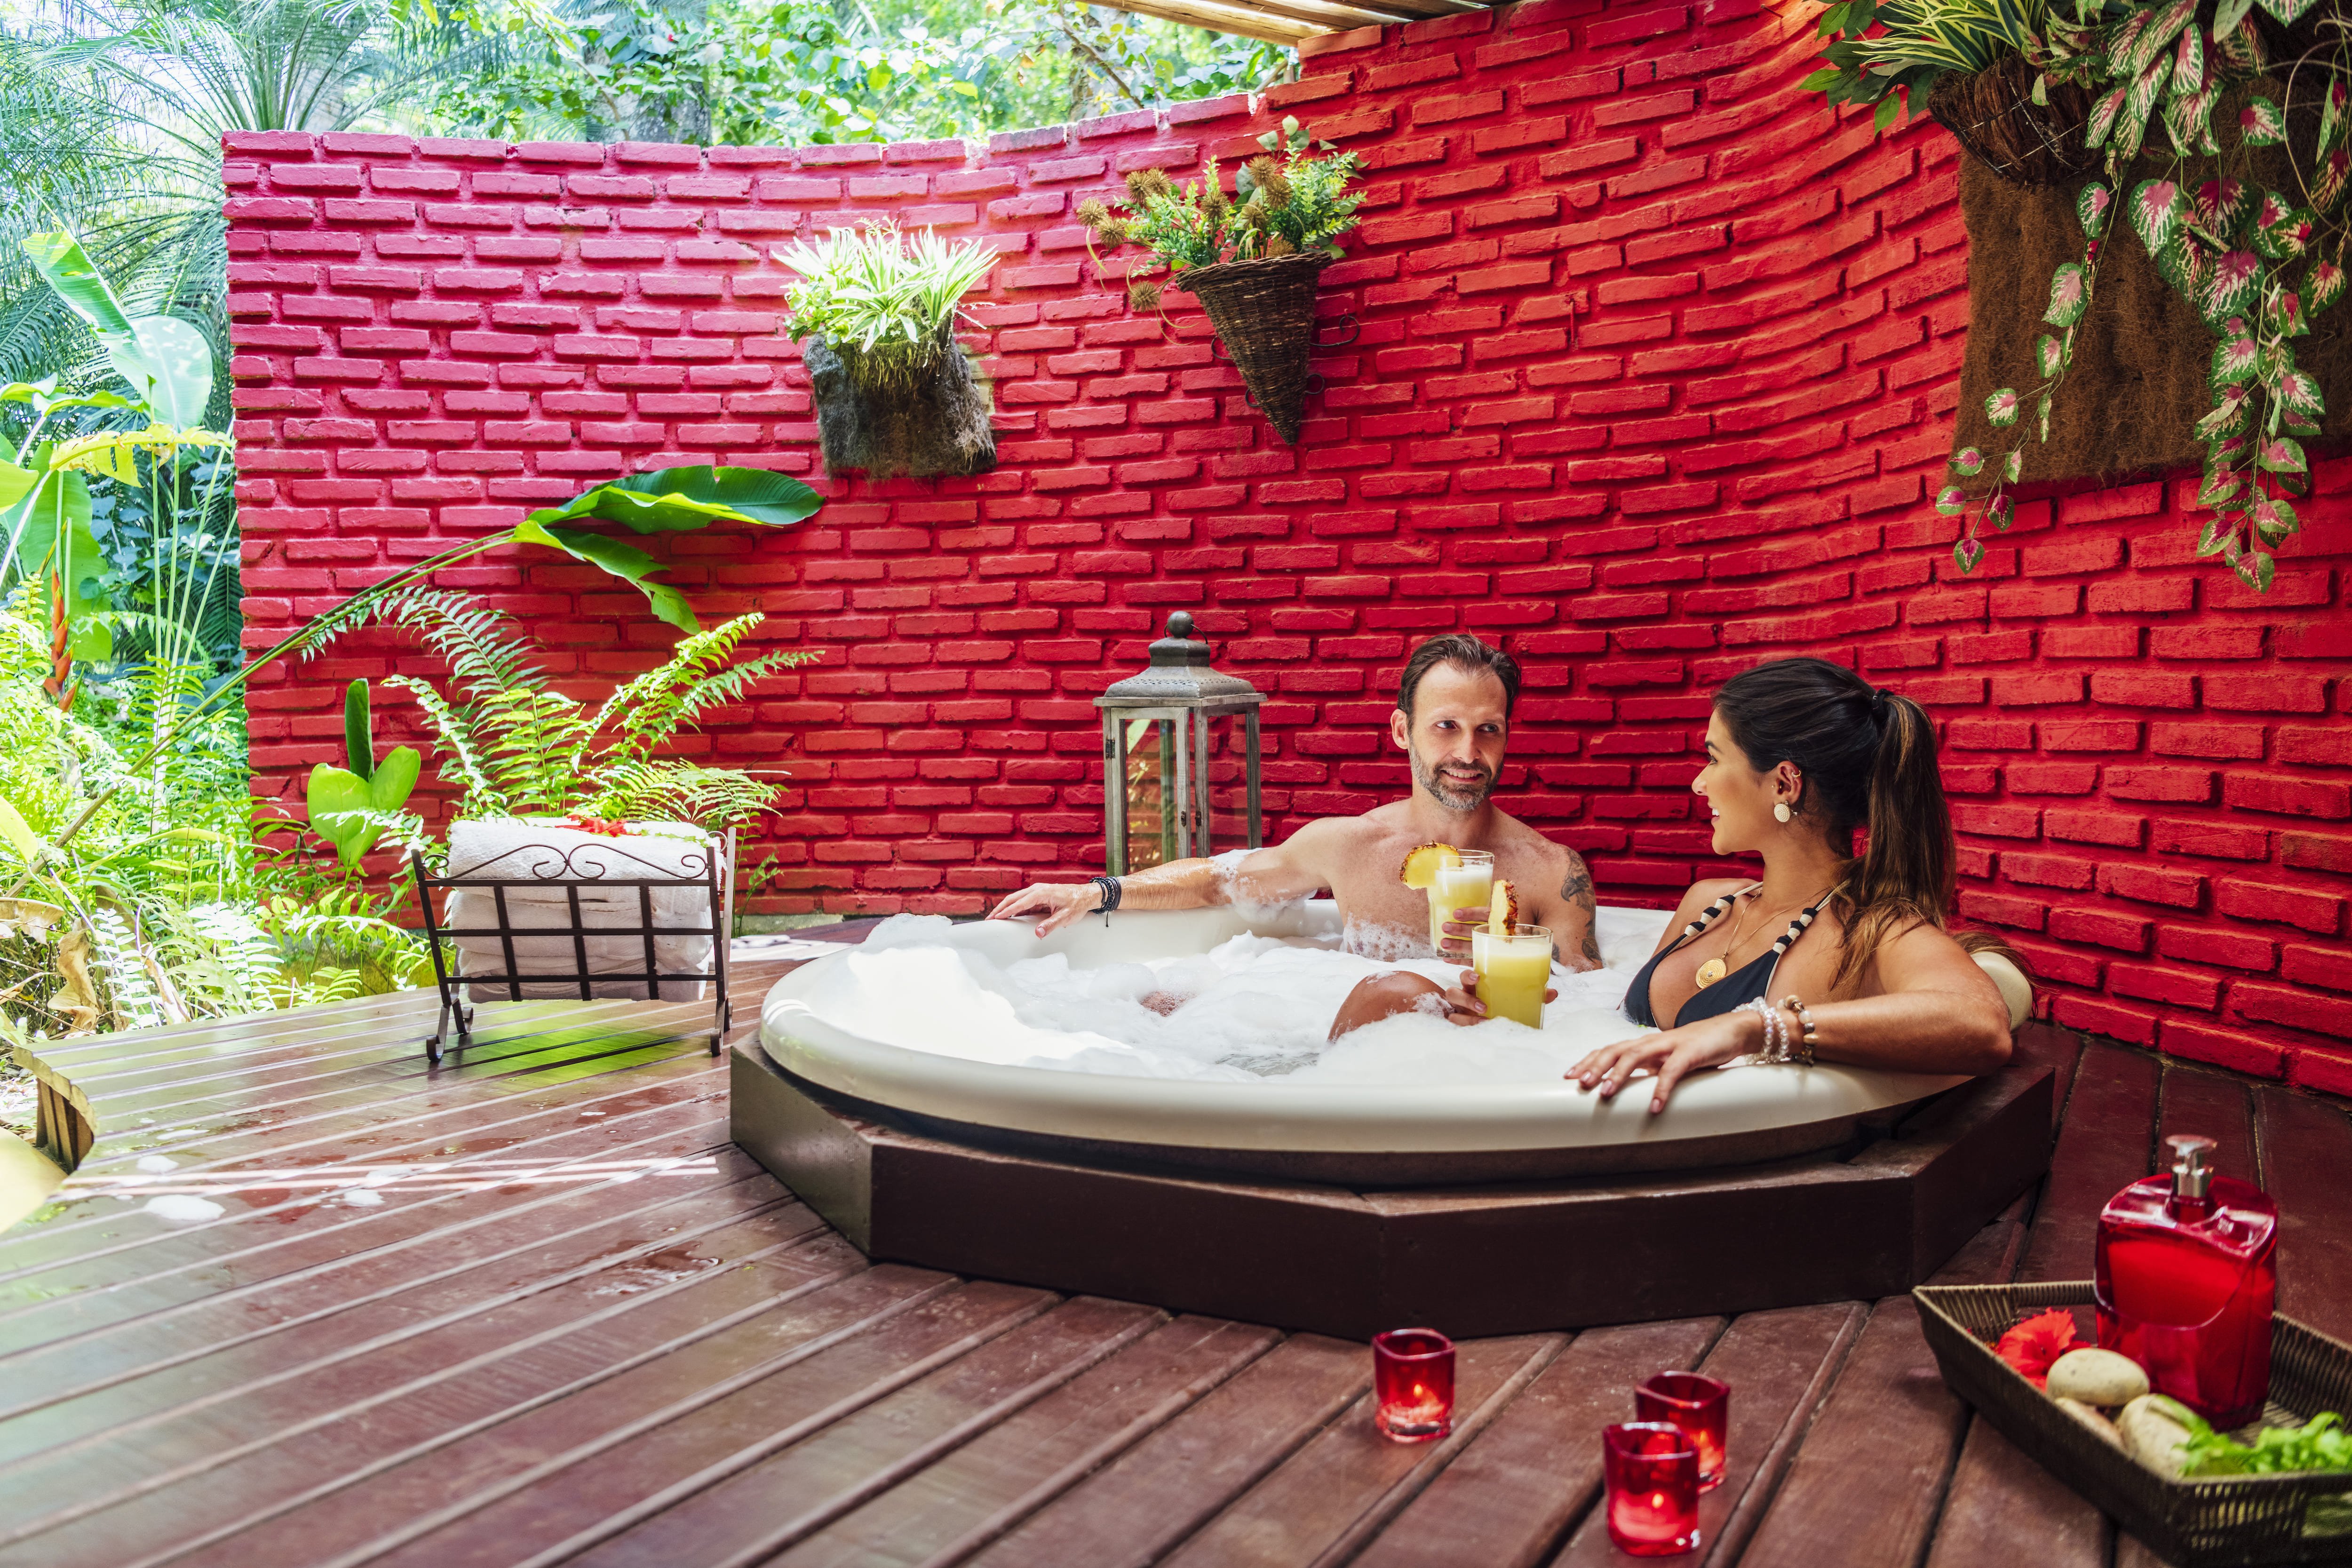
{"x":1655,"y":376}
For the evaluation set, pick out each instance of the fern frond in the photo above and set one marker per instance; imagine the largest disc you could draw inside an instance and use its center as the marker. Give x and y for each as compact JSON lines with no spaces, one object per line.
{"x":472,"y":639}
{"x":458,"y":736}
{"x":658,"y":788}
{"x":136,"y":1006}
{"x":531,"y":746}
{"x":700,"y":676}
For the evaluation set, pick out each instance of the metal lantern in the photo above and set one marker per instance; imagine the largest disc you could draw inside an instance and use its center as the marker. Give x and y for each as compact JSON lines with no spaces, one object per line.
{"x":1184,"y":695}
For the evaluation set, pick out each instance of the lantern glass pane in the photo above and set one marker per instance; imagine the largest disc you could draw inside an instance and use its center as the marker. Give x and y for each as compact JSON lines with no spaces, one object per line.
{"x":1151,"y":788}
{"x":1229,"y":792}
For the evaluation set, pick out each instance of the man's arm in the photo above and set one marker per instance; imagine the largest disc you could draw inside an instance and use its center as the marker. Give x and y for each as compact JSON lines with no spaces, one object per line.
{"x":1270,"y":876}
{"x":1578,"y":938}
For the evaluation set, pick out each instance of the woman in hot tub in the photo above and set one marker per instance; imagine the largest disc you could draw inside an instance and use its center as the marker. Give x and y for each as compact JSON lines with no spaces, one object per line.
{"x":1830,"y":956}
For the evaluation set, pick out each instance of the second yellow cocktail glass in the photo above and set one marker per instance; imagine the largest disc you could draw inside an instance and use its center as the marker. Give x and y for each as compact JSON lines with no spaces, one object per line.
{"x":1514,"y":972}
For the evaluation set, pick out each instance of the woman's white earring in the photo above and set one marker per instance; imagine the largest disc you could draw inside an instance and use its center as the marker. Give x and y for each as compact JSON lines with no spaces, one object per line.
{"x":1780,"y":812}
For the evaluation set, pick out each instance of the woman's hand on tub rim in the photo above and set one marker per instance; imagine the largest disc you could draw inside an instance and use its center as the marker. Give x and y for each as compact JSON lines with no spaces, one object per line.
{"x":1670,"y":1054}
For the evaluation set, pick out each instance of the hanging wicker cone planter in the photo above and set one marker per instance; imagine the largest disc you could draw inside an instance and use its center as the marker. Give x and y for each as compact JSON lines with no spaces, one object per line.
{"x":1993,"y":115}
{"x":1263,"y":311}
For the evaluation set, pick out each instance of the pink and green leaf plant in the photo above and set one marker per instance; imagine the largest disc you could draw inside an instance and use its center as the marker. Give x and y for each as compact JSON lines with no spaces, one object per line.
{"x":2257,"y":267}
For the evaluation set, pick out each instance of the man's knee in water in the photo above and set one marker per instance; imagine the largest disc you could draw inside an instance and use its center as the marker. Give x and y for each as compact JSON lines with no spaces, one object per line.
{"x":1383,"y":997}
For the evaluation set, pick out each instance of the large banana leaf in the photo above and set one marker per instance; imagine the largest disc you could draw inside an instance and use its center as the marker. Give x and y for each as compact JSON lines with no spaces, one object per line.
{"x":47,"y":531}
{"x":167,"y":362}
{"x":623,"y":561}
{"x":670,"y":501}
{"x":60,"y":258}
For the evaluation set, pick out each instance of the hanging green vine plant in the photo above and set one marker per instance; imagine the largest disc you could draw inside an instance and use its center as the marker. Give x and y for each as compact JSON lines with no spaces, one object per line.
{"x":2257,"y":265}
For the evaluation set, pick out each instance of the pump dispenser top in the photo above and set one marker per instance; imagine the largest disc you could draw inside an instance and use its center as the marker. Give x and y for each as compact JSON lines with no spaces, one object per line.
{"x":2193,"y":1166}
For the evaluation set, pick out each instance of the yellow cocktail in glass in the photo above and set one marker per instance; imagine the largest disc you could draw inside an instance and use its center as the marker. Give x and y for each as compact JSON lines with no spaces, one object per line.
{"x":1514,"y":972}
{"x":1470,"y":884}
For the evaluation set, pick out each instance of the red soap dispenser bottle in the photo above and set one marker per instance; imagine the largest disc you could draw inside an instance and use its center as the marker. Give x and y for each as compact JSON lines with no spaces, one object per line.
{"x":2185,"y":1279}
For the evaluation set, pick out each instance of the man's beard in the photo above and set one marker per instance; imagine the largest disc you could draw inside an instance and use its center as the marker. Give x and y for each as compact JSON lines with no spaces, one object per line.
{"x":1451,"y":795}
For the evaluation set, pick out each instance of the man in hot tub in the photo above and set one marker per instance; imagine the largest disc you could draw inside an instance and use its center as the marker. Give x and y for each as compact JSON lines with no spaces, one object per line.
{"x":1453,"y":719}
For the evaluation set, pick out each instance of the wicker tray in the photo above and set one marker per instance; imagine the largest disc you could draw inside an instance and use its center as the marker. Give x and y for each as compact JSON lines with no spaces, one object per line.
{"x":2219,"y":1523}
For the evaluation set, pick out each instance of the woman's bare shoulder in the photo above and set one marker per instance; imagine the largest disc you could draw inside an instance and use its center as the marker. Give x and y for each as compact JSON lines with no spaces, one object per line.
{"x":1697,"y":897}
{"x":1701,"y":894}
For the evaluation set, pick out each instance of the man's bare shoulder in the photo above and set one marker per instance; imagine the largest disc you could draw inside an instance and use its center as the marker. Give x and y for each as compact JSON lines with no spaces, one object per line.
{"x":1518,"y":837}
{"x":1328,"y":841}
{"x":1333,"y":831}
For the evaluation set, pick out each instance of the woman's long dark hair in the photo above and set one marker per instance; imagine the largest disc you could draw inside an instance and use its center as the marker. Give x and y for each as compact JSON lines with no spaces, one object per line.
{"x":1867,"y":760}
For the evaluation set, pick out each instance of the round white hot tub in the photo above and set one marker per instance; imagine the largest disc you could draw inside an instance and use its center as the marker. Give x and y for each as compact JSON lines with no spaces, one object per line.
{"x":1183,"y":1038}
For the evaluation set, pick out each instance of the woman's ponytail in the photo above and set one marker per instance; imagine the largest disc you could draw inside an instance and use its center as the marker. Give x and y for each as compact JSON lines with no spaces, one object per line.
{"x":1867,"y":760}
{"x":1905,"y":875}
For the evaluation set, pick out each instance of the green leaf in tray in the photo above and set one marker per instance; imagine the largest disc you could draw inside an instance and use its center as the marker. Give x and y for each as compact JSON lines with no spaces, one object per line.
{"x":2319,"y":1444}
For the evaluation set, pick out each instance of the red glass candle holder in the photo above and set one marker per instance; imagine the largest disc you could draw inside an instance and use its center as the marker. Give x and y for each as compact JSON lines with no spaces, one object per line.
{"x":1652,"y":1475}
{"x":1412,"y":1384}
{"x":1700,"y":1407}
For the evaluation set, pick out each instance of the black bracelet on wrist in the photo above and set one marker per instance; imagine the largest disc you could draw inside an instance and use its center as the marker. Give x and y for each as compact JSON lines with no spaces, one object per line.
{"x":1110,"y":891}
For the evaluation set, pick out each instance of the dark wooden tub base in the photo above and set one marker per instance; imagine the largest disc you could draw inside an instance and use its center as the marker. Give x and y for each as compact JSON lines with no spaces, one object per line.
{"x":1855,"y":1223}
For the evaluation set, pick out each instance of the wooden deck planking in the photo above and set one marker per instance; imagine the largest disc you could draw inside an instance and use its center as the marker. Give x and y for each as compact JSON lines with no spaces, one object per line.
{"x":1153,"y":1498}
{"x":1344,"y":1485}
{"x":2103,"y":1145}
{"x":573,"y":1360}
{"x":2306,"y":1146}
{"x":972,"y":1498}
{"x":250,"y":1387}
{"x":1511,"y":1497}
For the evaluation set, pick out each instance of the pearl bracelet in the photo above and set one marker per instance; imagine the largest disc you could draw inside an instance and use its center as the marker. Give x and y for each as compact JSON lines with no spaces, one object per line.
{"x":1781,"y":1046}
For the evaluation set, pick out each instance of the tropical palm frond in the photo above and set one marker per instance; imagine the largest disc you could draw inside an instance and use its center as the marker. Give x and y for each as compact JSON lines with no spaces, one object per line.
{"x":1951,"y":35}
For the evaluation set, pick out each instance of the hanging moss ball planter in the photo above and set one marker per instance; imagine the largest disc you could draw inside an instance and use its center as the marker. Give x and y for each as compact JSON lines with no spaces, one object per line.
{"x":1993,"y":115}
{"x":910,"y":408}
{"x":1263,"y":311}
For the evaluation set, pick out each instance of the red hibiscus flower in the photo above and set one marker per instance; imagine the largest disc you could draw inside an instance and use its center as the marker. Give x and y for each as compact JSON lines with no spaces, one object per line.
{"x":2032,"y":1346}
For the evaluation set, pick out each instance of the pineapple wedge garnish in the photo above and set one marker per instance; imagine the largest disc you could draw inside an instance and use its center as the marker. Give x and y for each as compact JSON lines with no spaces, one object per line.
{"x":1419,"y":869}
{"x":1503,"y":908}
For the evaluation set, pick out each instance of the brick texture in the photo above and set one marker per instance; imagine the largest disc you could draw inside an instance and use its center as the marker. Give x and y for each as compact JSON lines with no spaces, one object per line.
{"x":1654,"y":378}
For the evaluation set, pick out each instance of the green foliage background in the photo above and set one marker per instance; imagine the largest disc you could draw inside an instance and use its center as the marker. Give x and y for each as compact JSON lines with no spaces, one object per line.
{"x":135,"y":892}
{"x":796,"y":71}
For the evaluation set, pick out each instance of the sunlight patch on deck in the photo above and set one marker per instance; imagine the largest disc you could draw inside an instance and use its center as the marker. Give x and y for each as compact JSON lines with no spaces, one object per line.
{"x":28,"y":1177}
{"x":366,"y":1185}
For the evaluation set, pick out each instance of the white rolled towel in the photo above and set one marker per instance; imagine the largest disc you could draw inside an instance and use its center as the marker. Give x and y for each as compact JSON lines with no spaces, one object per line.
{"x":525,"y":851}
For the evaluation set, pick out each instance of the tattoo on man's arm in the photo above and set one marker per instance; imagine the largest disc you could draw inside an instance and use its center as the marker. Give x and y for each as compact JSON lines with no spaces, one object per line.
{"x":1577,"y":892}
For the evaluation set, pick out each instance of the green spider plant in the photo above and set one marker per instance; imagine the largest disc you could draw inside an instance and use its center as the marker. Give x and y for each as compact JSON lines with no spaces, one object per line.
{"x":1922,"y":40}
{"x":885,"y":301}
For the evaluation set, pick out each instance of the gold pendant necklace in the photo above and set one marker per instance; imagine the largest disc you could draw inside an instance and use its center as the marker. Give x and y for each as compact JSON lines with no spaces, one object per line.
{"x":1716,"y":968}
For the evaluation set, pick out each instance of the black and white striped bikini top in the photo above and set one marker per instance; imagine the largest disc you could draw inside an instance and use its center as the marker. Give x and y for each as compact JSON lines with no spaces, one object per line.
{"x":1742,"y":985}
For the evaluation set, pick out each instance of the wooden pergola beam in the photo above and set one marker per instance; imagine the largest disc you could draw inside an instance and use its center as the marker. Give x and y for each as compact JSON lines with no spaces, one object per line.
{"x":1276,"y":21}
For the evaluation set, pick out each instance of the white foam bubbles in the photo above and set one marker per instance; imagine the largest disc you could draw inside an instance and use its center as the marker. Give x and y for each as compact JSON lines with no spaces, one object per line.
{"x":1252,"y":1007}
{"x":1243,"y":893}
